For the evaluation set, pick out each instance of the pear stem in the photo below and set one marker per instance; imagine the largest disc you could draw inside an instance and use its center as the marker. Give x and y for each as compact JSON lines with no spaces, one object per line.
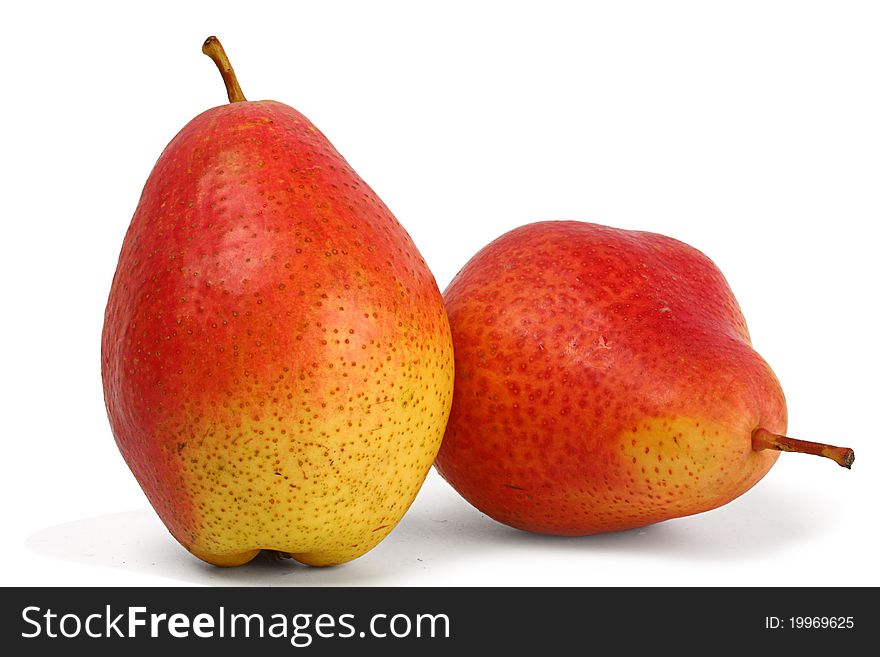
{"x":763,"y":439}
{"x":213,"y":49}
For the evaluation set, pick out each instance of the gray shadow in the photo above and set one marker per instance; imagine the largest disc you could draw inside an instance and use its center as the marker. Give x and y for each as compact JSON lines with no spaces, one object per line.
{"x":440,"y":530}
{"x":761,"y":521}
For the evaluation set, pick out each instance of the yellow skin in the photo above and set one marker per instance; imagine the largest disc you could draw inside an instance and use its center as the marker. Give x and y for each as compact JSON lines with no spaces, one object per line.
{"x":679,"y":466}
{"x":326,"y":500}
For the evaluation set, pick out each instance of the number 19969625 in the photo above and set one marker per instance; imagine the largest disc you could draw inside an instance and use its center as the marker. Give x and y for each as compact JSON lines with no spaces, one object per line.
{"x":821,"y":622}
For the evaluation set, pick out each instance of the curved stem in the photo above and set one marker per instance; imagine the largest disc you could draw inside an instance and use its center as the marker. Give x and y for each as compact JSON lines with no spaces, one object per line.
{"x":213,"y":49}
{"x":763,"y":439}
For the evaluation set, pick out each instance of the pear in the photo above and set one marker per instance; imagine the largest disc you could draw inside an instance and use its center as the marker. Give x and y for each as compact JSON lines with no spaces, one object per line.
{"x":605,"y":380}
{"x":276,"y":358}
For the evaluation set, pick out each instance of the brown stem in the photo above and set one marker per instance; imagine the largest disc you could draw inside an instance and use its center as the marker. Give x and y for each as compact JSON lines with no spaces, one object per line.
{"x":213,"y":49}
{"x":763,"y":439}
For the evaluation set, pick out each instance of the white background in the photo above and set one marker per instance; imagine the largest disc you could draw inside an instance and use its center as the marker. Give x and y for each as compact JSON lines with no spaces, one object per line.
{"x":748,"y":129}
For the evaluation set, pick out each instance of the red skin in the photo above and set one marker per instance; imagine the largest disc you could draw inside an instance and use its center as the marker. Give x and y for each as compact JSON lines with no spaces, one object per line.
{"x":570,"y":340}
{"x":253,"y":253}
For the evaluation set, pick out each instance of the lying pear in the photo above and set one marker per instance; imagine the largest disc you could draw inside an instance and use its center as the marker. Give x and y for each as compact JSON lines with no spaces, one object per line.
{"x":604,"y":380}
{"x":276,"y":358}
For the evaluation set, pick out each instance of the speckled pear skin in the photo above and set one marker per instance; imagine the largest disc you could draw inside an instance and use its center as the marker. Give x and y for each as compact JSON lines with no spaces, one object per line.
{"x":604,"y":380}
{"x":276,"y":358}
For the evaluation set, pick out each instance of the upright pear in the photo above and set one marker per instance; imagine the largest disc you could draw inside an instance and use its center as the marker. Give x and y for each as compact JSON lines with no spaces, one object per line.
{"x":276,"y":357}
